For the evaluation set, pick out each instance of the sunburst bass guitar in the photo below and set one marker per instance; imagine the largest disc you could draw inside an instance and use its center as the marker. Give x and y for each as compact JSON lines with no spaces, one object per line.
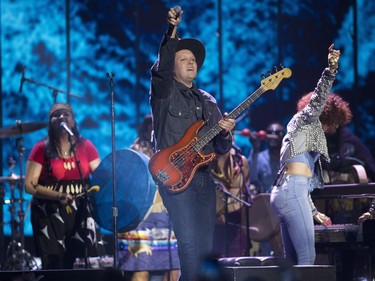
{"x":175,"y":166}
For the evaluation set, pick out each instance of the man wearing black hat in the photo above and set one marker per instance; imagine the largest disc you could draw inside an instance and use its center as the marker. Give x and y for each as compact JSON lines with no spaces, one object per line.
{"x":176,"y":104}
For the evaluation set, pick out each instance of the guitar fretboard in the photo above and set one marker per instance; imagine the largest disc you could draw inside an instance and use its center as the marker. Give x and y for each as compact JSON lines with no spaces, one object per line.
{"x":266,"y":84}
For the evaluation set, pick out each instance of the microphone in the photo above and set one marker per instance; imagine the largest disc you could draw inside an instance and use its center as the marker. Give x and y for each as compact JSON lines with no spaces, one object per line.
{"x":178,"y":10}
{"x":22,"y":78}
{"x":262,"y":135}
{"x":66,"y":128}
{"x":171,"y":27}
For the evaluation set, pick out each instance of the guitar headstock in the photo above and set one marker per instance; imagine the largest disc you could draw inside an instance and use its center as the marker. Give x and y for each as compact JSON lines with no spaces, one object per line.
{"x":272,"y":81}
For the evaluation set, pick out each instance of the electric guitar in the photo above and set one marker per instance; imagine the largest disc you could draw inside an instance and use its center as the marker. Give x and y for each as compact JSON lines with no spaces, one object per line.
{"x":176,"y":165}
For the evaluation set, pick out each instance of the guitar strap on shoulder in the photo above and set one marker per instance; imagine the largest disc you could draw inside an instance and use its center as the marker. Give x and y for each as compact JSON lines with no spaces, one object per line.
{"x":205,"y":110}
{"x":153,"y":141}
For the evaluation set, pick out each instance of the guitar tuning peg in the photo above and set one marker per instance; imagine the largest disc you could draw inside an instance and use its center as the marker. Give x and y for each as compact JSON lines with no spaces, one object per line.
{"x":275,"y":67}
{"x":281,"y":66}
{"x":263,"y":76}
{"x":269,"y":72}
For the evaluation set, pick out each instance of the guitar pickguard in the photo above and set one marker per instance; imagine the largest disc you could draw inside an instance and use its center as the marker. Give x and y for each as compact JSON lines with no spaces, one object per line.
{"x":187,"y":161}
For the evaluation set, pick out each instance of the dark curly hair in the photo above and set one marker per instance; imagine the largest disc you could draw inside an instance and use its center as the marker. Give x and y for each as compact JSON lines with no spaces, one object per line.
{"x":336,"y":112}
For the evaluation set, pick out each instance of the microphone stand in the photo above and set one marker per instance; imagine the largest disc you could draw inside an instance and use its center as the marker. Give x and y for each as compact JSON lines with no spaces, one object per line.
{"x":114,"y":188}
{"x":19,"y":258}
{"x":248,"y":205}
{"x":226,"y":212}
{"x":85,"y":198}
{"x":55,"y":90}
{"x":21,"y":214}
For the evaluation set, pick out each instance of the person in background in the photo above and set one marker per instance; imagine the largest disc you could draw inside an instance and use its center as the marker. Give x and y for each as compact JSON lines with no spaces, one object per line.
{"x":369,"y":215}
{"x":345,"y":149}
{"x":58,"y":173}
{"x":154,"y":233}
{"x":265,"y":164}
{"x":176,"y":105}
{"x":231,"y":174}
{"x":303,"y":147}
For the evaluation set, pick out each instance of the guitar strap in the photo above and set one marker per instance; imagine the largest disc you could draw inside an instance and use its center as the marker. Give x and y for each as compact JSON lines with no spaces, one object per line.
{"x":153,"y":141}
{"x":204,"y":107}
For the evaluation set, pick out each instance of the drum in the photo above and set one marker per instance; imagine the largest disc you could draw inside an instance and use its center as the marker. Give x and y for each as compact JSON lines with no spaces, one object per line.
{"x":135,"y":190}
{"x":263,"y":221}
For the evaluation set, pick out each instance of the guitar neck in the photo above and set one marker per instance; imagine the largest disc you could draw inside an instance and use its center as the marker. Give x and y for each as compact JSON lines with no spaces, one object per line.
{"x":214,"y":131}
{"x":269,"y":83}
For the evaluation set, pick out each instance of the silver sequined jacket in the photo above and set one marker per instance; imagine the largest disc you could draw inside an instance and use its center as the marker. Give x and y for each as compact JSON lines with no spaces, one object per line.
{"x":305,"y":131}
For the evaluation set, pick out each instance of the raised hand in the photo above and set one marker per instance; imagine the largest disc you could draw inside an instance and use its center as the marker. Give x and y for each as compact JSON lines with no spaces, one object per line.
{"x":333,"y":58}
{"x":175,"y":15}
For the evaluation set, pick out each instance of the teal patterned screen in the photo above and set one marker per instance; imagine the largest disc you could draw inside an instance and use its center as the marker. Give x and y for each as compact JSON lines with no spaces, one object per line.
{"x":69,"y":46}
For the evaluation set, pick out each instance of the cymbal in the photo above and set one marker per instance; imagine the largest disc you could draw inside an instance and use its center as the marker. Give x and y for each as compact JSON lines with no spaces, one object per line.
{"x":21,"y":128}
{"x":11,"y":178}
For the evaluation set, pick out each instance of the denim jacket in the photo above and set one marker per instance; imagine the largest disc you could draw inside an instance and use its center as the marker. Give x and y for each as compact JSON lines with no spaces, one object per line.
{"x":305,"y":131}
{"x":176,"y":107}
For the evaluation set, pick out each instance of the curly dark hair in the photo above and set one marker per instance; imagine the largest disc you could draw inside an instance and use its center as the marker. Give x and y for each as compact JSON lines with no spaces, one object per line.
{"x":336,"y":112}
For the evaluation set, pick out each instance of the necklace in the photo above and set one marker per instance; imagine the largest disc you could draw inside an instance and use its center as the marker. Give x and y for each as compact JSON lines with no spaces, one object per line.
{"x":66,"y":152}
{"x":68,"y":164}
{"x":66,"y":149}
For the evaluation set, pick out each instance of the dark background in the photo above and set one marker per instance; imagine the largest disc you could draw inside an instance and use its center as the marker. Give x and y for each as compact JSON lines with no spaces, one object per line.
{"x":67,"y":47}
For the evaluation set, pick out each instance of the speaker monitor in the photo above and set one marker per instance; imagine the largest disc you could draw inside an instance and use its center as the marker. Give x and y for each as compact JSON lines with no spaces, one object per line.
{"x":277,"y":273}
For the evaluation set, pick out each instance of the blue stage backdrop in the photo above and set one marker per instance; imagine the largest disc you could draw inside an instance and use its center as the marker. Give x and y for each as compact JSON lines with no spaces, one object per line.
{"x":66,"y":48}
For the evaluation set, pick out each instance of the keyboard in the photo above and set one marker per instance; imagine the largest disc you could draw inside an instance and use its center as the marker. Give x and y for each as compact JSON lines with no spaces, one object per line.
{"x":336,"y":233}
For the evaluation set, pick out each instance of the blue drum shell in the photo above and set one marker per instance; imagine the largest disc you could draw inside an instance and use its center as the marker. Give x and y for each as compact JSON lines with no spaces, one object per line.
{"x":135,"y":190}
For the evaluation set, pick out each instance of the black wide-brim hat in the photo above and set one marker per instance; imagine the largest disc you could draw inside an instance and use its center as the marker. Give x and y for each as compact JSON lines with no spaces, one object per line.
{"x":195,"y":46}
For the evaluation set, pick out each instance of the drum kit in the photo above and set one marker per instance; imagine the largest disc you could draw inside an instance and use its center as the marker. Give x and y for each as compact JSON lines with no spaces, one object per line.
{"x":17,"y":258}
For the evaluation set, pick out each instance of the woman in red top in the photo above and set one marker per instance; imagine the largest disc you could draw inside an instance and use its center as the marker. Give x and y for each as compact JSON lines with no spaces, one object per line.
{"x":57,"y":174}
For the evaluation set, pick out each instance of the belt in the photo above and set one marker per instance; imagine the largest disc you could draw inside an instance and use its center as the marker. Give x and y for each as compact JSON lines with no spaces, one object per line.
{"x":298,"y":169}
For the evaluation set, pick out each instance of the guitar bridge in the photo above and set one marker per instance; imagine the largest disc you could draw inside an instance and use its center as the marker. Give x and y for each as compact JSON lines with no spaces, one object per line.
{"x":162,"y":176}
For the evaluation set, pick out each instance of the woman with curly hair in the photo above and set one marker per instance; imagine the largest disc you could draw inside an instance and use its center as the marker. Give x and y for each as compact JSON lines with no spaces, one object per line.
{"x":336,"y":112}
{"x":301,"y":171}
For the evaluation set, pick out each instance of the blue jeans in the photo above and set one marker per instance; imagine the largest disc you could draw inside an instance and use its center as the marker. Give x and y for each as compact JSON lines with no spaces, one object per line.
{"x":193,"y":214}
{"x":290,"y":201}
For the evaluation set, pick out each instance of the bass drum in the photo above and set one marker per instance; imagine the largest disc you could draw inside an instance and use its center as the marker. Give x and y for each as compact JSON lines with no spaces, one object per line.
{"x":263,"y":221}
{"x":135,"y":190}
